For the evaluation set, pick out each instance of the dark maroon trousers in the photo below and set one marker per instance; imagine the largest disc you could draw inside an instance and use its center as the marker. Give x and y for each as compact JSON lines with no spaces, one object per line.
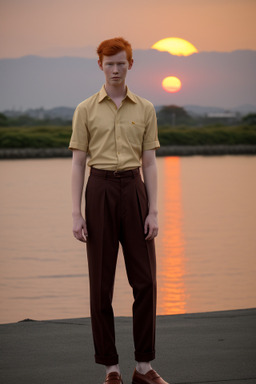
{"x":116,"y":208}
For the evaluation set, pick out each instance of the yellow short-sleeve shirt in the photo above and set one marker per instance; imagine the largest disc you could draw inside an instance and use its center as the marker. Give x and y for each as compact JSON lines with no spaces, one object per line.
{"x":114,"y":138}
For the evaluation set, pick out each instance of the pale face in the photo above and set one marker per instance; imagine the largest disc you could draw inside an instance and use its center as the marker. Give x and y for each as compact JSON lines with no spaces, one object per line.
{"x":115,"y":68}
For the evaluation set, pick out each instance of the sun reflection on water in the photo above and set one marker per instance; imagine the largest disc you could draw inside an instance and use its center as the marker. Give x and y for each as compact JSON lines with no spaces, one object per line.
{"x":171,"y":268}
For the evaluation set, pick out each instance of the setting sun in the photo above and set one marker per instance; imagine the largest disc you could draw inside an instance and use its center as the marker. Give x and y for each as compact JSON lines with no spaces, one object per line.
{"x":175,"y":46}
{"x":171,"y":84}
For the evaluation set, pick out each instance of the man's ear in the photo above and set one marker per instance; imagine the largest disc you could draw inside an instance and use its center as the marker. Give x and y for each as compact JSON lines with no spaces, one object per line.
{"x":130,"y":64}
{"x":100,"y":65}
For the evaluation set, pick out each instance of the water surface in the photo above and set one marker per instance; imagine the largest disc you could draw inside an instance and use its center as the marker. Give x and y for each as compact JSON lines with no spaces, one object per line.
{"x":206,"y":246}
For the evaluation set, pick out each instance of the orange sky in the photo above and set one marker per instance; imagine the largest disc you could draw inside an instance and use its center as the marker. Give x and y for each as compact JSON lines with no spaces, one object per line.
{"x":65,"y":27}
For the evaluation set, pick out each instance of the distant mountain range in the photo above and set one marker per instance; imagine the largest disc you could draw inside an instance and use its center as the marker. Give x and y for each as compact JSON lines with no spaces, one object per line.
{"x":66,"y":113}
{"x":196,"y":110}
{"x":225,"y":80}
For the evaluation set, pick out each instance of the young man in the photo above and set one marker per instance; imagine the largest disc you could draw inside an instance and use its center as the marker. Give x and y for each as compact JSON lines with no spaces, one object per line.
{"x":118,"y":131}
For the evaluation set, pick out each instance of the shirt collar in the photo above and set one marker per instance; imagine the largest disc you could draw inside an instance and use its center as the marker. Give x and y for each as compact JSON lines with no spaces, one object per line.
{"x":131,"y":95}
{"x":103,"y":94}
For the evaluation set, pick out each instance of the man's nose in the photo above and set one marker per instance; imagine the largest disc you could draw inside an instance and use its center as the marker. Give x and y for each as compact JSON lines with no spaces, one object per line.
{"x":115,"y":69}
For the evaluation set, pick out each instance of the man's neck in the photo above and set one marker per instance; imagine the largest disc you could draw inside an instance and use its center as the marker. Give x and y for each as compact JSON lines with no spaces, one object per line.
{"x":116,"y":92}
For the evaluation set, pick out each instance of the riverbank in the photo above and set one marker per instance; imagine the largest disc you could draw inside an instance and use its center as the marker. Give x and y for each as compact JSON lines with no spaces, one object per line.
{"x":175,"y":150}
{"x":213,"y":347}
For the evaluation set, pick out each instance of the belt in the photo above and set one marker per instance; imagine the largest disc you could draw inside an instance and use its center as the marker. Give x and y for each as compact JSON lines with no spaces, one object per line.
{"x":115,"y":174}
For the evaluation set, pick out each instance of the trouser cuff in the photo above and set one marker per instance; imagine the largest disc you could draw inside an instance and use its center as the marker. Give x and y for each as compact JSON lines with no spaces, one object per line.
{"x":106,"y":360}
{"x":144,"y":357}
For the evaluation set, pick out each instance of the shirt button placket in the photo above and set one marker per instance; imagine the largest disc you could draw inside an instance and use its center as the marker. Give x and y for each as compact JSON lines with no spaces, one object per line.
{"x":118,"y":141}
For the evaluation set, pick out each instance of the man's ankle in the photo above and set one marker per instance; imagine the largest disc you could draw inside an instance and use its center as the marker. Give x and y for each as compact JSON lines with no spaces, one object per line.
{"x":112,"y":368}
{"x":143,"y":367}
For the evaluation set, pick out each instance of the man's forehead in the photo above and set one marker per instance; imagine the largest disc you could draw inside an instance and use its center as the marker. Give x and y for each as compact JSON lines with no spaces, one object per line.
{"x":118,"y":56}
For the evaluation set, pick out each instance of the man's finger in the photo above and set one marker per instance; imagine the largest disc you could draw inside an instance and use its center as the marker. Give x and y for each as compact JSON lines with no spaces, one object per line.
{"x":84,"y":235}
{"x":149,"y":235}
{"x":80,"y":236}
{"x":153,"y":233}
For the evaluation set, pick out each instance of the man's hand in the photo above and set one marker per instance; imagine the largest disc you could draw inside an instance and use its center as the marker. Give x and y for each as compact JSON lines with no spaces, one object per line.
{"x":151,"y":226}
{"x":79,"y":228}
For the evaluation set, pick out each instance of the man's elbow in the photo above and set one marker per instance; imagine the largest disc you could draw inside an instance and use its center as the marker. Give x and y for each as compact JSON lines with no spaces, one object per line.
{"x":148,"y":159}
{"x":79,"y":158}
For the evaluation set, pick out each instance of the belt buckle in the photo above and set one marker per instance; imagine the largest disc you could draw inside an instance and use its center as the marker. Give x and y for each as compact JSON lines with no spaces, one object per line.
{"x":116,"y":173}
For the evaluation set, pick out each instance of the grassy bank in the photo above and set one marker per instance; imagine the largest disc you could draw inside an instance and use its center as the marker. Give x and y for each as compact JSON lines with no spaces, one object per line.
{"x":215,"y":135}
{"x":35,"y":137}
{"x":58,"y":136}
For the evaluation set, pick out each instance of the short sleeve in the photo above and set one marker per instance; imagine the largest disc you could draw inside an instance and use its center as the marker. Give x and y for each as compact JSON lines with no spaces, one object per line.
{"x":150,"y":140}
{"x":79,"y":137}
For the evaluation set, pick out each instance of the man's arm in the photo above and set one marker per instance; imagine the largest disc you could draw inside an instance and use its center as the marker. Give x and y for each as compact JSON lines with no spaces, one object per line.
{"x":77,"y":184}
{"x":149,"y":170}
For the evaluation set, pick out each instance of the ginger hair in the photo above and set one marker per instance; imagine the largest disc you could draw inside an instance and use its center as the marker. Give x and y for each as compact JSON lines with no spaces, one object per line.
{"x":113,"y":46}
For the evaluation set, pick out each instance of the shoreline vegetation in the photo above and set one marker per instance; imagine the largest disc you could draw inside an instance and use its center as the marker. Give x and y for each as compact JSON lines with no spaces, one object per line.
{"x":172,"y":150}
{"x":179,"y":135}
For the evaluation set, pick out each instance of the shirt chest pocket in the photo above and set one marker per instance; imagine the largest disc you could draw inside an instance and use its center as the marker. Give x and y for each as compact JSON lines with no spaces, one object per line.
{"x":134,"y":132}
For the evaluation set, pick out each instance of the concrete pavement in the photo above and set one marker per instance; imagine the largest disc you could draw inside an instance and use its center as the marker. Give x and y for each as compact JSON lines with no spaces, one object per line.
{"x":214,"y":347}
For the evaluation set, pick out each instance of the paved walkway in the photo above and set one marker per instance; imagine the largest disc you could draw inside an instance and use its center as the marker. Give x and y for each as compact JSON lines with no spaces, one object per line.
{"x":215,"y":347}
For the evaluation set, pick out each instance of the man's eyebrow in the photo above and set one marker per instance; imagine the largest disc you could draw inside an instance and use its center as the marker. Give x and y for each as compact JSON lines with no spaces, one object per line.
{"x":118,"y":62}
